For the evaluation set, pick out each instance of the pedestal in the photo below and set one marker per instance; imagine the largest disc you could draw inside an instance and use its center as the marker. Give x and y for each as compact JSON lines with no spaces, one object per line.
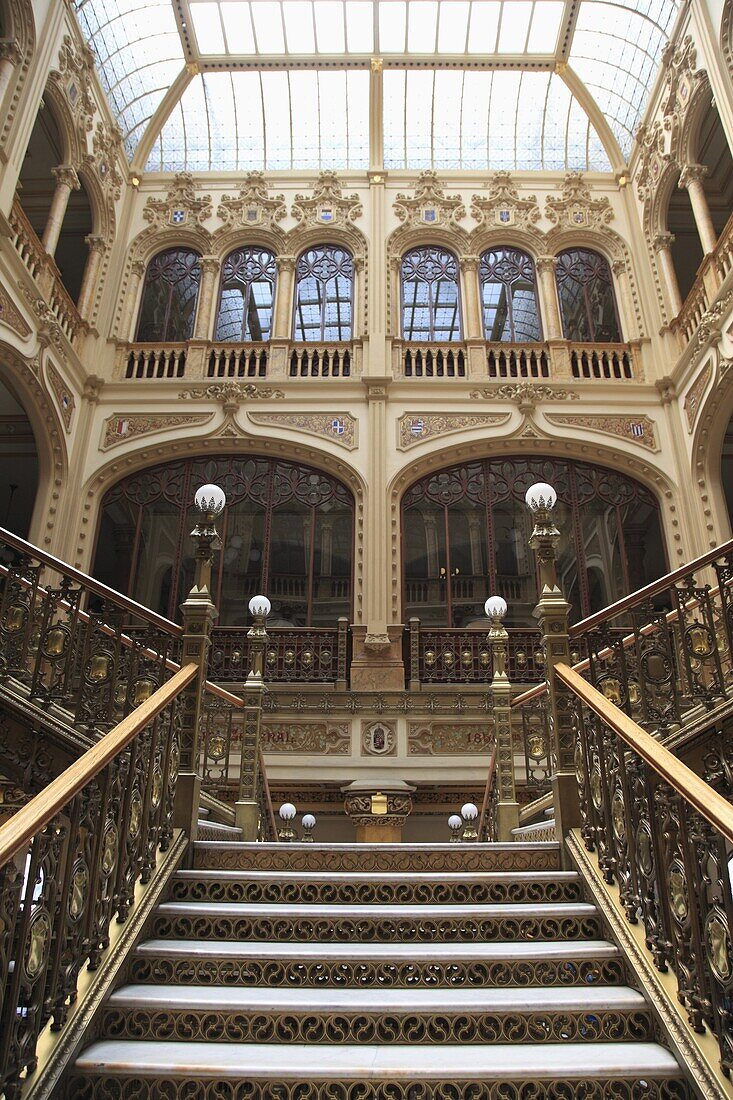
{"x":378,"y":810}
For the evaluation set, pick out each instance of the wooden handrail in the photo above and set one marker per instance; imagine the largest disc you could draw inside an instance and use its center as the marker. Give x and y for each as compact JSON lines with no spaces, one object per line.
{"x":17,"y":833}
{"x":702,"y":797}
{"x":649,"y":590}
{"x":99,"y":589}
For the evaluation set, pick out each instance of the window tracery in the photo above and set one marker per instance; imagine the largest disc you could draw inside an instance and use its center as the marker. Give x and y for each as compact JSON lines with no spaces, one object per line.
{"x":430,"y":298}
{"x":587,"y":301}
{"x":246,"y":295}
{"x":170,"y":293}
{"x":324,"y":293}
{"x":509,"y":296}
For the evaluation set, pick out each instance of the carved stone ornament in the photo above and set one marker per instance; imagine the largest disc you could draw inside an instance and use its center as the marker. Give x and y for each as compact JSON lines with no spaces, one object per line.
{"x":252,"y":208}
{"x":682,"y":79}
{"x":414,"y":428}
{"x":576,"y":208}
{"x":11,"y":316}
{"x":327,"y":205}
{"x":652,"y":158}
{"x":694,"y":395}
{"x":49,"y":330}
{"x":121,"y":427}
{"x":311,"y":738}
{"x":524,"y":394}
{"x":449,"y":739}
{"x":73,"y":79}
{"x":231,"y":394}
{"x":429,"y":206}
{"x":180,"y":208}
{"x":502,"y":207}
{"x":378,"y":739}
{"x":340,"y":428}
{"x":63,"y":395}
{"x":106,"y":145}
{"x":635,"y":429}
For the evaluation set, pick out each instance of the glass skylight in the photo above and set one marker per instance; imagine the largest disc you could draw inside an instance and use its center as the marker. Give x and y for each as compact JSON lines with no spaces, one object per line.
{"x":500,"y":120}
{"x":305,"y":118}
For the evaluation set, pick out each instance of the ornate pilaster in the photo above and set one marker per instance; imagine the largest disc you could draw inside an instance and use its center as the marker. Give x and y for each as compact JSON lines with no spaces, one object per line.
{"x":282,"y":326}
{"x":209,"y":271}
{"x":472,"y":326}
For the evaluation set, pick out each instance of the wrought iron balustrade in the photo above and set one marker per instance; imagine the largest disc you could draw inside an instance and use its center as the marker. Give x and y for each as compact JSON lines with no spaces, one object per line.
{"x":518,"y":361}
{"x":445,"y":656}
{"x":293,"y":655}
{"x":156,"y":361}
{"x":237,"y":361}
{"x":434,"y":361}
{"x":321,"y":361}
{"x":603,"y":361}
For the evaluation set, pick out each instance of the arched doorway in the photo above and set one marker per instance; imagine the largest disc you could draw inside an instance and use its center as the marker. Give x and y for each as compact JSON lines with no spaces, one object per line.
{"x":18,"y":464}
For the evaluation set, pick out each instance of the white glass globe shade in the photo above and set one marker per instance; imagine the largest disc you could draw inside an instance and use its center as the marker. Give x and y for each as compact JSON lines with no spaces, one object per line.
{"x":495,"y":607}
{"x":454,"y":821}
{"x":259,"y":605}
{"x":210,"y":500}
{"x":308,"y":821}
{"x":469,"y":812}
{"x":540,"y":495}
{"x":287,"y":811}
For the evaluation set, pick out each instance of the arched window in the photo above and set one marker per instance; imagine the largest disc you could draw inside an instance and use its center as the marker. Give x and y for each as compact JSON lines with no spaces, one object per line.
{"x":430,"y":303}
{"x":287,"y":530}
{"x":324,"y":290}
{"x":465,"y":532}
{"x":508,"y":296}
{"x":245,"y":299}
{"x":587,"y":303}
{"x":169,"y":297}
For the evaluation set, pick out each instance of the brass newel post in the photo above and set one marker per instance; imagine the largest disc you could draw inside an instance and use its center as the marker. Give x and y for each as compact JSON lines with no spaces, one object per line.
{"x":199,"y":616}
{"x":552,"y":615}
{"x":247,"y":807}
{"x":501,"y":693}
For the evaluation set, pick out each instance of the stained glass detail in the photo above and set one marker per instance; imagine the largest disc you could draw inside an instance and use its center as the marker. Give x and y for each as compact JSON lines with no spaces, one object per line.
{"x":430,"y":299}
{"x":246,"y":295}
{"x":508,"y":296}
{"x":587,"y":302}
{"x":169,"y":297}
{"x":324,"y":291}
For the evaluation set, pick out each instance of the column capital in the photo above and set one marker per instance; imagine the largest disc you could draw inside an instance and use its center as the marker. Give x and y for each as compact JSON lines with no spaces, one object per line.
{"x":468,"y":263}
{"x":692,"y":173}
{"x":546,"y":263}
{"x":285,"y":263}
{"x":618,"y":267}
{"x":210,"y":265}
{"x":663,"y":242}
{"x":95,"y":243}
{"x":10,"y":51}
{"x":137,"y":267}
{"x":66,"y":174}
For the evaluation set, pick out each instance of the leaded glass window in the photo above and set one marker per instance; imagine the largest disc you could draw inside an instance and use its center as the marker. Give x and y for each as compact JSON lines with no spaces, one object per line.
{"x":508,"y":296}
{"x":324,"y":290}
{"x":587,"y":302}
{"x":430,"y":300}
{"x":170,"y":293}
{"x":246,"y":296}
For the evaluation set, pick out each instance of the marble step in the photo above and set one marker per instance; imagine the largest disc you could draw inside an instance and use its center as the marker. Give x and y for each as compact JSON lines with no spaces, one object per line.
{"x":154,"y":1070}
{"x":537,"y":828}
{"x":383,"y":965}
{"x":377,"y":887}
{"x":217,"y":1014}
{"x":215,"y":831}
{"x":363,"y":858}
{"x":348,"y":923}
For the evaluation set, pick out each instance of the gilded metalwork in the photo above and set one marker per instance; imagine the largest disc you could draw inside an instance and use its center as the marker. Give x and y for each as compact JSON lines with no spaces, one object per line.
{"x":367,"y":858}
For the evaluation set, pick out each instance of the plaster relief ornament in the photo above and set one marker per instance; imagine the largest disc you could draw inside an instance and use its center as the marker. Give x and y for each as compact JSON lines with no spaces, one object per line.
{"x":653,"y":159}
{"x":694,"y":395}
{"x":107,"y":147}
{"x":635,"y":429}
{"x":62,"y":393}
{"x":576,"y":208}
{"x":252,"y":207}
{"x":121,"y":427}
{"x":11,"y":316}
{"x":73,"y":79}
{"x":683,"y":80}
{"x":231,"y":394}
{"x":524,"y":394}
{"x":429,"y":205}
{"x":341,"y":428}
{"x":312,"y":738}
{"x":180,"y":207}
{"x":327,"y":205}
{"x":439,"y":739}
{"x":378,"y":739}
{"x":414,"y":428}
{"x":502,"y":206}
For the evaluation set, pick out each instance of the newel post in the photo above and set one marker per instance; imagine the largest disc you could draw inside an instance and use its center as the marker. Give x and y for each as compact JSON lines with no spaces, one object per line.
{"x":247,"y":806}
{"x":501,"y":694}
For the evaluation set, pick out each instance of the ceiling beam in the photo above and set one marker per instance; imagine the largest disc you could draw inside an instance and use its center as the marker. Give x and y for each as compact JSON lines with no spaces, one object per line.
{"x":596,"y":115}
{"x":527,"y":62}
{"x":160,"y":117}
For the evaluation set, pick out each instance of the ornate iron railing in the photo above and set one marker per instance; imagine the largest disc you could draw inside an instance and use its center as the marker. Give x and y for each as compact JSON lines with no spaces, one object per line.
{"x":464,"y":656}
{"x":292,"y":655}
{"x":70,"y":860}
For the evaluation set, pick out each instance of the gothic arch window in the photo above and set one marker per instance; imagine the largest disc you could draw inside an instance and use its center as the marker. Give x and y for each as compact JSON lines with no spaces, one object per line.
{"x":287,"y":530}
{"x":465,"y":532}
{"x":509,"y":296}
{"x":246,"y":295}
{"x":587,"y":302}
{"x":324,"y":295}
{"x":170,"y":292}
{"x":430,"y":299}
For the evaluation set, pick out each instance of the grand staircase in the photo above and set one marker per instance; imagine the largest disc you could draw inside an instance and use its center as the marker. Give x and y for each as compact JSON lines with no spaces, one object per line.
{"x":392,"y":972}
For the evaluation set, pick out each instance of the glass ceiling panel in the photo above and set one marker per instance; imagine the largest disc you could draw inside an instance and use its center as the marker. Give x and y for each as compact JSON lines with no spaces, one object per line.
{"x":139,"y":54}
{"x":507,"y":120}
{"x":629,"y":35}
{"x":241,"y":121}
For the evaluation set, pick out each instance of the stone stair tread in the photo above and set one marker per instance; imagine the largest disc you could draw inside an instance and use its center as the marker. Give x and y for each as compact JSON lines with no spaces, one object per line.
{"x":358,"y":1000}
{"x":304,"y":1062}
{"x":535,"y":827}
{"x":419,"y":849}
{"x":218,"y":827}
{"x":488,"y":877}
{"x":354,"y":952}
{"x":305,"y":911}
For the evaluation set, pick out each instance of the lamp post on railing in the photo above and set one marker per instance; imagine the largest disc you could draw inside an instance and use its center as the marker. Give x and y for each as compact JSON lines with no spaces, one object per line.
{"x":501,"y":692}
{"x":246,"y":809}
{"x":551,"y":613}
{"x":199,"y":615}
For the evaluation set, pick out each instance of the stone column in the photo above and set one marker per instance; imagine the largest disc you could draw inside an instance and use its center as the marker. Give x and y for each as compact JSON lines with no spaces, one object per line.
{"x":10,"y":58}
{"x":137,"y":271}
{"x":472,"y":320}
{"x":627,"y":316}
{"x":663,"y":247}
{"x":207,"y":291}
{"x":96,"y":247}
{"x":549,"y":298}
{"x":66,"y":182}
{"x":282,"y":324}
{"x":691,"y":179}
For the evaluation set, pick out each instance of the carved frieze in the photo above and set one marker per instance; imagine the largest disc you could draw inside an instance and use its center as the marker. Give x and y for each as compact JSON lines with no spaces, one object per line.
{"x":11,"y":316}
{"x":63,"y":395}
{"x":180,"y":208}
{"x":449,"y":738}
{"x":694,"y":395}
{"x":414,"y":428}
{"x":524,"y":394}
{"x":327,"y":205}
{"x":503,"y":207}
{"x":231,"y":394}
{"x":121,"y":427}
{"x":309,"y":738}
{"x":429,"y":206}
{"x":339,"y":427}
{"x":635,"y":429}
{"x":378,"y":739}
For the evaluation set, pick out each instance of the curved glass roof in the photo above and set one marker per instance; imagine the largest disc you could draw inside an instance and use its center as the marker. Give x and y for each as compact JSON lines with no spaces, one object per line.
{"x":206,"y":85}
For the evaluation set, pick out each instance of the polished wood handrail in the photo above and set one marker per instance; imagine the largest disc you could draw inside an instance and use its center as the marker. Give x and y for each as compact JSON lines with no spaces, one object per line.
{"x":706,"y":801}
{"x":649,"y":590}
{"x":538,"y":806}
{"x":99,"y":589}
{"x":17,"y":833}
